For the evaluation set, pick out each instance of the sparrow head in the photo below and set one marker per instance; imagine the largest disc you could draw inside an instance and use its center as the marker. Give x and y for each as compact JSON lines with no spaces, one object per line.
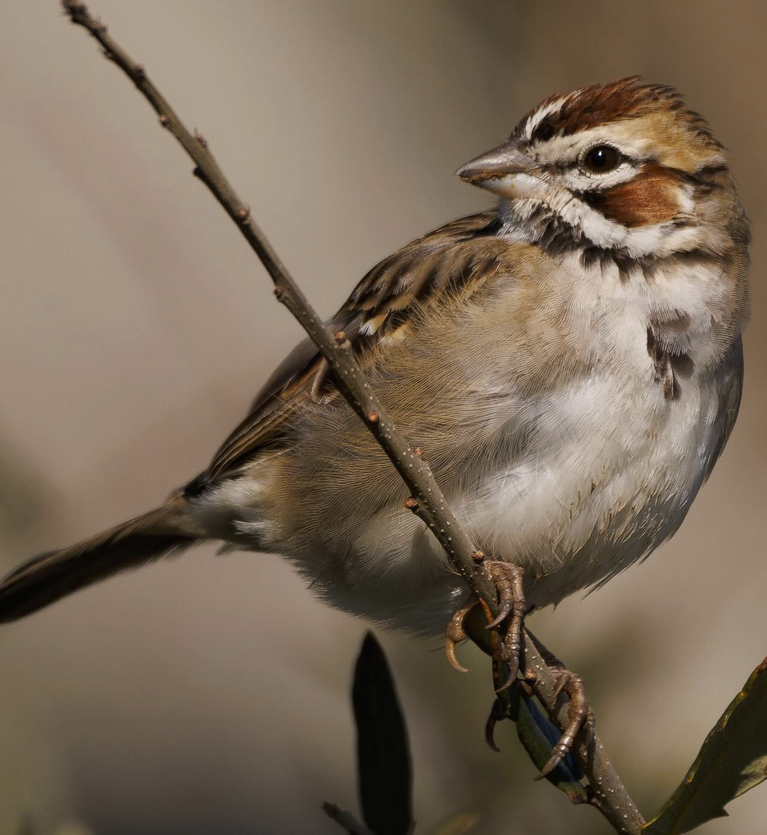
{"x":621,"y":166}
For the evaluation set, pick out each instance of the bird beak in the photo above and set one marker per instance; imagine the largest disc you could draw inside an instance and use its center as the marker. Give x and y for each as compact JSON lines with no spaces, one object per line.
{"x":505,"y":170}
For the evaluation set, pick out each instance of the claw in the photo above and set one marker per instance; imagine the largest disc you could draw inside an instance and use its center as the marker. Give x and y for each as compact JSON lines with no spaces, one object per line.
{"x":504,"y":610}
{"x":581,"y":719}
{"x":510,"y":654}
{"x":455,"y":633}
{"x":496,"y":714}
{"x":511,"y":600}
{"x":508,"y":582}
{"x":452,"y":658}
{"x":509,"y":681}
{"x":558,"y":753}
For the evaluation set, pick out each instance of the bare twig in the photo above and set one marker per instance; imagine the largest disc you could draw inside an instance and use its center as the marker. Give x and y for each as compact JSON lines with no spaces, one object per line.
{"x":606,"y":791}
{"x":426,"y":501}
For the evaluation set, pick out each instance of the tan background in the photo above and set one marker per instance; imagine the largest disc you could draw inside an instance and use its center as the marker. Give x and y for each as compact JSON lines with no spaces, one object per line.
{"x":209,"y":695}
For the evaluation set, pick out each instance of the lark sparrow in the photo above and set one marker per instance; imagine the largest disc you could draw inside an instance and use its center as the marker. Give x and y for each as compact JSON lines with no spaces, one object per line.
{"x":570,"y":362}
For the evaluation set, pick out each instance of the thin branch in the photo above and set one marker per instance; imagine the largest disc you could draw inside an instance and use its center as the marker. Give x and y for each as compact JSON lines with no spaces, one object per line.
{"x":426,"y":500}
{"x":606,"y":790}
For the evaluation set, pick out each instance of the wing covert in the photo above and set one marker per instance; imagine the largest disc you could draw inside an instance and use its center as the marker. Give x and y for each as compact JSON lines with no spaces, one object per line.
{"x":379,"y":309}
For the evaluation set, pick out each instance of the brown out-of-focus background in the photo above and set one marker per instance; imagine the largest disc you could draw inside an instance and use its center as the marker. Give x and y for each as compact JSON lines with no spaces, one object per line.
{"x":209,"y":694}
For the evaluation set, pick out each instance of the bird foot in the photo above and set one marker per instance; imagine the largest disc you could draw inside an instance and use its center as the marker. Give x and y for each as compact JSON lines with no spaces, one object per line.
{"x":506,"y":650}
{"x":581,"y":719}
{"x":511,"y":608}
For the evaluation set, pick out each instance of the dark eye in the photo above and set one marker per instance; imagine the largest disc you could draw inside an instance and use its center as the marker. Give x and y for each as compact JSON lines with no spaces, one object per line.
{"x":601,"y":159}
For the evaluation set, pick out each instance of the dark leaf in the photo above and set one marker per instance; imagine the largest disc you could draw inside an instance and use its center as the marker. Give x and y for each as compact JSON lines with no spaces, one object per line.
{"x":383,"y":754}
{"x":733,"y":760}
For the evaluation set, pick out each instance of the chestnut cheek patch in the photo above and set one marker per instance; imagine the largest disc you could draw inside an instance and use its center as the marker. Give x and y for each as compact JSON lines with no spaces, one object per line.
{"x":650,"y":198}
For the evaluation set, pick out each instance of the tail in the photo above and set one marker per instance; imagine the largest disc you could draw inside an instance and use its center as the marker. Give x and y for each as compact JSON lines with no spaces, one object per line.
{"x":45,"y":579}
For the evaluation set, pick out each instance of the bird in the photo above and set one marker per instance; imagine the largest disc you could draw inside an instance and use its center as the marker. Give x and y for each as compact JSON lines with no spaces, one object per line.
{"x":570,"y":362}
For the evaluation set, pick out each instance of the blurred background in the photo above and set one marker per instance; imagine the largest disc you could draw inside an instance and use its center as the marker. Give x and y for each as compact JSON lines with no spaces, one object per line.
{"x":210,"y":694}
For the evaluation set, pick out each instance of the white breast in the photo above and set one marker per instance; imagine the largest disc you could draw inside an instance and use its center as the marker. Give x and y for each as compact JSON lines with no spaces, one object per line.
{"x":599,"y":486}
{"x":609,"y":475}
{"x":574,"y":483}
{"x":610,"y":464}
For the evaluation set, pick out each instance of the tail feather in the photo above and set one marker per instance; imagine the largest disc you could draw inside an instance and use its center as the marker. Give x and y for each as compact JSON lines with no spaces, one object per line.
{"x":53,"y":575}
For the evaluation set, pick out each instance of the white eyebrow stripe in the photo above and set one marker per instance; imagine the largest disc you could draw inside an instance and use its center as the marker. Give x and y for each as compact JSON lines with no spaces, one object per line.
{"x":624,"y":135}
{"x":540,"y":115}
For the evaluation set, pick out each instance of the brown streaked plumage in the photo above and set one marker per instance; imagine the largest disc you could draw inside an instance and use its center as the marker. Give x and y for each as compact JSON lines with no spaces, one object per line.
{"x":570,"y":362}
{"x":445,"y":261}
{"x":626,"y":98}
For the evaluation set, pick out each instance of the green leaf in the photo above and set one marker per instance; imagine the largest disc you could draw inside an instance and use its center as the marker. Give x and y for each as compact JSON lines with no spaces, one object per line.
{"x":383,"y":753}
{"x":733,"y":760}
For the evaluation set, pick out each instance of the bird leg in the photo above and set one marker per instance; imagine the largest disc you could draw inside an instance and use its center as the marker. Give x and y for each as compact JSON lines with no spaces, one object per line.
{"x":511,"y":607}
{"x":581,"y":719}
{"x":505,"y":650}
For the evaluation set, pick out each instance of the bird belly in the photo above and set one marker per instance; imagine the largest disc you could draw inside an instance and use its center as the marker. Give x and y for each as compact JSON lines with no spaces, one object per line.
{"x":608,"y":476}
{"x":605,"y":474}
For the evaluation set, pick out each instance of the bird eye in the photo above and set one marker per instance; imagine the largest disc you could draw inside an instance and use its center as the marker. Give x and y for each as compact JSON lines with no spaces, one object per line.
{"x":601,"y":159}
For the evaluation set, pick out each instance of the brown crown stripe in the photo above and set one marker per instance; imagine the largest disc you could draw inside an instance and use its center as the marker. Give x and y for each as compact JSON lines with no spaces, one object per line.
{"x":601,"y":104}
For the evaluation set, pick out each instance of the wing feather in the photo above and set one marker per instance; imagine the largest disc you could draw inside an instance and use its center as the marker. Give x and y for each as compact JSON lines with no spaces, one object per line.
{"x":430,"y":268}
